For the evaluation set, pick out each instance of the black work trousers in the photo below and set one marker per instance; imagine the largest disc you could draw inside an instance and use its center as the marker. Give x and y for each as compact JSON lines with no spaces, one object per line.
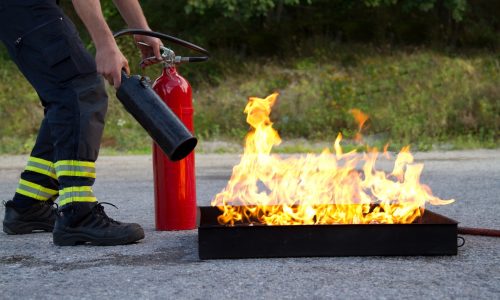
{"x":46,"y":47}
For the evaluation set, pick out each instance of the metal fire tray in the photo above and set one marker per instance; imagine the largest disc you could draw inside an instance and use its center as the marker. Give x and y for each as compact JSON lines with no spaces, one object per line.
{"x":432,"y":234}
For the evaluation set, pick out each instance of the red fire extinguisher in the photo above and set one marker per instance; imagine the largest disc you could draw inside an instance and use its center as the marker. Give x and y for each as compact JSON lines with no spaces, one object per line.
{"x":175,"y":186}
{"x":174,"y":181}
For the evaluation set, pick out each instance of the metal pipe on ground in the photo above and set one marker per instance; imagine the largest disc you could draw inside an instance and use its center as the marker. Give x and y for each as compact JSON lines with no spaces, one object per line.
{"x":478,"y":231}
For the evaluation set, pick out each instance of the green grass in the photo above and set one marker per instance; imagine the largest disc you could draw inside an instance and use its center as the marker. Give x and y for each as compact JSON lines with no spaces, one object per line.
{"x":430,"y":99}
{"x":427,"y":98}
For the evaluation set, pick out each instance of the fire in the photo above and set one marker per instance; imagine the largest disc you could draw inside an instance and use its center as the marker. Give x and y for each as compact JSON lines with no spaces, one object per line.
{"x":327,"y":188}
{"x":361,"y":118}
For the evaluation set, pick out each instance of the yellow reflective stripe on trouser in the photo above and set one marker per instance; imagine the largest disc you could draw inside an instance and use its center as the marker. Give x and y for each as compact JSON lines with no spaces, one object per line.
{"x":35,"y":191}
{"x":41,"y":166}
{"x":76,"y":194}
{"x":75,"y":168}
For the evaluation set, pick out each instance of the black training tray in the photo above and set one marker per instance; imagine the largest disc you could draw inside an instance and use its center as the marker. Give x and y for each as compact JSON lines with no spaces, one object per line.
{"x":432,"y":234}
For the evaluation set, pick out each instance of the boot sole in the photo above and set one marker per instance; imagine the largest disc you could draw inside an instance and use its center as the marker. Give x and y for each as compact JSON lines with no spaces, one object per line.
{"x":73,"y":239}
{"x":26,"y":227}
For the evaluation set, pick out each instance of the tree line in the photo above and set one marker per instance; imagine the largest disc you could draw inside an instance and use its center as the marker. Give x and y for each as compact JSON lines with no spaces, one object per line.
{"x":272,"y":26}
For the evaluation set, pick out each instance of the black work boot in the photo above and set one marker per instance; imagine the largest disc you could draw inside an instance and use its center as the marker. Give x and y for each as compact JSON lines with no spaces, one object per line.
{"x":21,"y":220}
{"x":87,"y":223}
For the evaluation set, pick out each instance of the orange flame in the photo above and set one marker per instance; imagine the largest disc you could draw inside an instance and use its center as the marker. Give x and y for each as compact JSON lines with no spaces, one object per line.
{"x":318,"y":189}
{"x":360,"y":118}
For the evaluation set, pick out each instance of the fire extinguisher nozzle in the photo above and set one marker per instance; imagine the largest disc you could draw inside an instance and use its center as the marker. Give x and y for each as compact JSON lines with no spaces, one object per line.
{"x":183,"y":149}
{"x":142,"y":102}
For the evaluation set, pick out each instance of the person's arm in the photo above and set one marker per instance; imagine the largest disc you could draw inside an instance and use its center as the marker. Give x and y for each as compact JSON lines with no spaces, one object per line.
{"x":109,"y":59}
{"x":131,"y":12}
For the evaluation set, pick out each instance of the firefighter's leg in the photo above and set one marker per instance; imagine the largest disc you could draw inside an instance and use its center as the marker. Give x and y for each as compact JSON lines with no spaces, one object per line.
{"x":32,"y":209}
{"x":76,"y":126}
{"x":52,"y":57}
{"x":47,"y":49}
{"x":38,"y":181}
{"x":76,"y":138}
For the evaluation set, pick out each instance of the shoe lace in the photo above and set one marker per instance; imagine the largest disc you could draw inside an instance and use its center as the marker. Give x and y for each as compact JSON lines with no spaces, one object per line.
{"x":99,"y":210}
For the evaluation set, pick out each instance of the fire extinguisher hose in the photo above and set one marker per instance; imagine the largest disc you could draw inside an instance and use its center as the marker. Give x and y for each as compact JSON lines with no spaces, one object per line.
{"x":169,"y":38}
{"x":479,"y":231}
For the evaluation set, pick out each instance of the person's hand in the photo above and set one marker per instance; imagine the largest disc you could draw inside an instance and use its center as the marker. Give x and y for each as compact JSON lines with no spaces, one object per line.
{"x":110,"y":62}
{"x":152,"y":51}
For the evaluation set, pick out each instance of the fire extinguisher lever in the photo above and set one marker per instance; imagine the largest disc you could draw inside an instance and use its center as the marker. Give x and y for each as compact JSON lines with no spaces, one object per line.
{"x":168,"y":57}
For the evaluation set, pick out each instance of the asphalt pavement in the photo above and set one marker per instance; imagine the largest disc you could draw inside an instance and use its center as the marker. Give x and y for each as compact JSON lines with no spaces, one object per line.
{"x":165,"y":265}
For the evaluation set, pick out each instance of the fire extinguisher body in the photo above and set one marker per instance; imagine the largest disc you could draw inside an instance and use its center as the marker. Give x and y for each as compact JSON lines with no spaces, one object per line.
{"x":174,"y":182}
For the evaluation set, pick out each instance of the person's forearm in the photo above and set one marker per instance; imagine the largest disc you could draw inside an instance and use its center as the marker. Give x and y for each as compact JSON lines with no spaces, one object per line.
{"x":90,"y":13}
{"x":109,"y":60}
{"x":131,"y":11}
